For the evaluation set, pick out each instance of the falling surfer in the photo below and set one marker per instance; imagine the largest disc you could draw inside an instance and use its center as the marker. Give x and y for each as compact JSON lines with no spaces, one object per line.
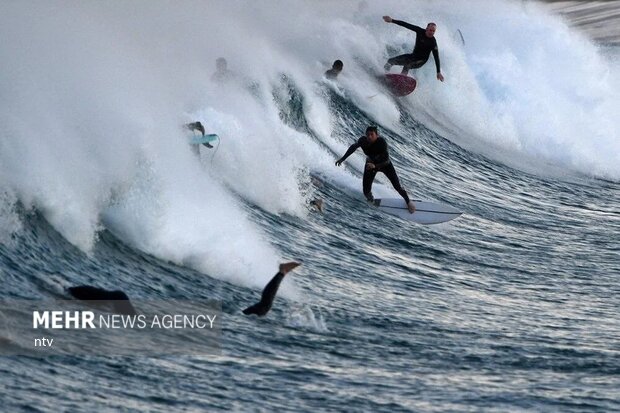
{"x":269,"y":293}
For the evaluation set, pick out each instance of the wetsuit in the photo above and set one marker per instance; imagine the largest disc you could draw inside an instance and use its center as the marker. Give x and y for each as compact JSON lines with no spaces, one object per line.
{"x":424,"y":45}
{"x":222,"y":76}
{"x":332,"y":73}
{"x":376,"y":153}
{"x":196,"y":126}
{"x":117,"y":300}
{"x":269,"y":294}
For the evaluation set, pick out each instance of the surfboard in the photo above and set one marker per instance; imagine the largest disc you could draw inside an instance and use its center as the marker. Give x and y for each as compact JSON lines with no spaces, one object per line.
{"x":400,"y":85}
{"x":198,"y":139}
{"x":426,"y":212}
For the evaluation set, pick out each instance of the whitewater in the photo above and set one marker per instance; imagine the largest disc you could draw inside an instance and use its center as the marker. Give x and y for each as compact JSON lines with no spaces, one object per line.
{"x":513,"y":306}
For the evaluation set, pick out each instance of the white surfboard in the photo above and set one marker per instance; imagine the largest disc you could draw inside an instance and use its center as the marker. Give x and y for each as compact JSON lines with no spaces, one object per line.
{"x":426,"y":212}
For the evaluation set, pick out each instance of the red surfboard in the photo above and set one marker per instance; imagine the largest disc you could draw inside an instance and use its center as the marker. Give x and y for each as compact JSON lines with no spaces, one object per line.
{"x":400,"y":85}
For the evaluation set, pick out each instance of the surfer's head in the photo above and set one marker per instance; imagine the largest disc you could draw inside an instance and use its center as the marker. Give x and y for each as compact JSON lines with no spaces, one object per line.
{"x":430,"y":29}
{"x":338,"y":65}
{"x":221,"y":64}
{"x":371,"y":133}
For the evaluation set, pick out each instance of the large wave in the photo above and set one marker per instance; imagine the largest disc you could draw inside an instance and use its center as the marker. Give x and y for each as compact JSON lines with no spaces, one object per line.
{"x":93,"y":96}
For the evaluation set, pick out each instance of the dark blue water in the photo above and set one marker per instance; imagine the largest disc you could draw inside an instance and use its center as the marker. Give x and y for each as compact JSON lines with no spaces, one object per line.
{"x":512,"y":307}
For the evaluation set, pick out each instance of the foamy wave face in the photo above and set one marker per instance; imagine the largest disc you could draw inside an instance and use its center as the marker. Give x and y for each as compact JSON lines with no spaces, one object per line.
{"x":93,"y":96}
{"x":523,"y":83}
{"x":182,"y":215}
{"x":526,"y":83}
{"x":10,"y":222}
{"x":71,"y":122}
{"x":91,"y":129}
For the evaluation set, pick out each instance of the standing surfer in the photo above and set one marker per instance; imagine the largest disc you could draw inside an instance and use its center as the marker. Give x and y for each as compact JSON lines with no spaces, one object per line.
{"x":425,"y":43}
{"x":375,"y":148}
{"x":222,"y":73}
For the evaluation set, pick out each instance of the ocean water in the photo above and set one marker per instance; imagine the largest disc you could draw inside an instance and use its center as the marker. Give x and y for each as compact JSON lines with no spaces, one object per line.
{"x":514,"y":306}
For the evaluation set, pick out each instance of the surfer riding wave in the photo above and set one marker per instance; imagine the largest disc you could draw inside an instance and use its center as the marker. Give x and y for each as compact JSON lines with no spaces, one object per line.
{"x":425,"y":43}
{"x":375,"y":148}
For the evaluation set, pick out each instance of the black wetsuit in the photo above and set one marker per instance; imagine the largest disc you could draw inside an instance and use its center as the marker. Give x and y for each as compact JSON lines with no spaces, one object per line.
{"x":222,"y":76}
{"x":196,"y":126}
{"x":332,"y":73}
{"x":116,"y":300}
{"x":376,"y":153}
{"x":266,"y":301}
{"x":424,"y":45}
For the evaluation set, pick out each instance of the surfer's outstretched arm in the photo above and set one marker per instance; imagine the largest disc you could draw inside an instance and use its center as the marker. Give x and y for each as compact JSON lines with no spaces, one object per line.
{"x":351,"y":149}
{"x":269,"y":292}
{"x":401,"y":23}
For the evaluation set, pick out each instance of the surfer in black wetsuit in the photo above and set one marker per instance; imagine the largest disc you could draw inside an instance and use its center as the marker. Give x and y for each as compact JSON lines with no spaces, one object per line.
{"x":222,"y":74}
{"x":375,"y":148}
{"x":117,"y":300}
{"x":425,"y":43}
{"x":196,"y":126}
{"x":269,"y":293}
{"x":333,"y":73}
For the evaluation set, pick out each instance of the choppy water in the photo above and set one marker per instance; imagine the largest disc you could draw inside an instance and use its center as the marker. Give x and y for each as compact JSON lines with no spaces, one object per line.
{"x":512,"y":307}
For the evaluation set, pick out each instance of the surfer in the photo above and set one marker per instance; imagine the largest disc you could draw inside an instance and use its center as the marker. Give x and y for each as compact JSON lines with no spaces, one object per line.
{"x":333,"y":73}
{"x":117,"y":300}
{"x":222,"y":74}
{"x":318,"y":204}
{"x":425,"y":43}
{"x":375,"y":148}
{"x":197,"y":126}
{"x":269,"y":293}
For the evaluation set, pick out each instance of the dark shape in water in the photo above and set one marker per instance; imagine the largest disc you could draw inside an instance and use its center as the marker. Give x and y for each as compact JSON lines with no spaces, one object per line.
{"x":269,"y":293}
{"x":116,"y":300}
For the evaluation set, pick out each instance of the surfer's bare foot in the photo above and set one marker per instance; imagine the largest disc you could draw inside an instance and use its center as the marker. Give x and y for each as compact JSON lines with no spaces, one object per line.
{"x":288,"y":266}
{"x":411,"y":207}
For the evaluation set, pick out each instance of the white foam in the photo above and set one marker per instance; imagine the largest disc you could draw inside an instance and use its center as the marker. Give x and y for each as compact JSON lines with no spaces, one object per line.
{"x":306,"y":317}
{"x":10,"y":223}
{"x":526,"y":84}
{"x":93,"y":96}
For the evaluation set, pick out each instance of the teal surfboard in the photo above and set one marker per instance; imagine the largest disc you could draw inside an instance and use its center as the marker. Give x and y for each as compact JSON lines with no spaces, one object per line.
{"x":198,"y":139}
